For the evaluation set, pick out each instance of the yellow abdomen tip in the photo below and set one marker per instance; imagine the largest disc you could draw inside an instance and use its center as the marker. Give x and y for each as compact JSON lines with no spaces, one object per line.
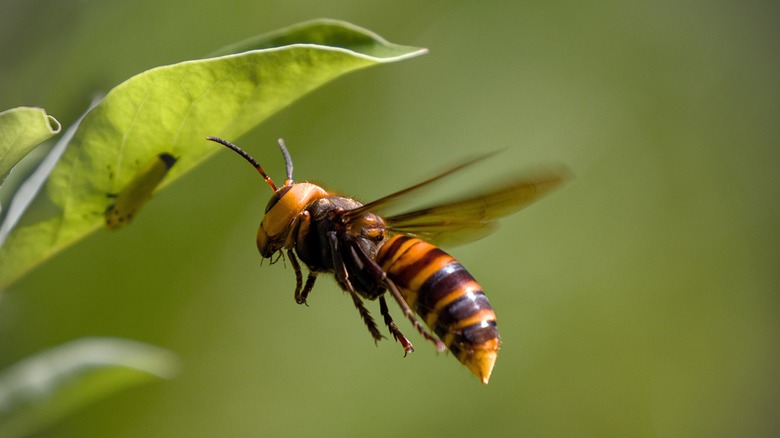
{"x":482,"y":359}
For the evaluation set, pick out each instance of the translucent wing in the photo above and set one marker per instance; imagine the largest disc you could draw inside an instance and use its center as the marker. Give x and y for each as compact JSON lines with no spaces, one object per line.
{"x":469,"y":218}
{"x":473,"y":217}
{"x":385,"y":202}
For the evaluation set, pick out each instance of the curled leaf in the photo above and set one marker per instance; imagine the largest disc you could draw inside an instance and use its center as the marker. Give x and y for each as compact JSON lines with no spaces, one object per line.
{"x":21,"y":130}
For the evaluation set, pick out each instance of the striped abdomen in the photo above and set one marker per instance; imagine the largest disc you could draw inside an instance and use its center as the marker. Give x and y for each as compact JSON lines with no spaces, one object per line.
{"x":444,"y":295}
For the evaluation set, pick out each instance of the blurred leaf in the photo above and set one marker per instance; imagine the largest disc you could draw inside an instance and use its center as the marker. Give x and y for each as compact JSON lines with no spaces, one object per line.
{"x":45,"y":388}
{"x":171,"y":110}
{"x":27,"y":191}
{"x":21,"y":130}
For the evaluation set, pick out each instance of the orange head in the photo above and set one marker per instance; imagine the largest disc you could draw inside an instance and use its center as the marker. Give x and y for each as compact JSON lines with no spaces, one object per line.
{"x":284,"y":206}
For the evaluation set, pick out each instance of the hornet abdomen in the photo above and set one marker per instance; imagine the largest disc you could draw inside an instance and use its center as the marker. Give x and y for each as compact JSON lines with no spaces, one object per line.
{"x":445,"y":295}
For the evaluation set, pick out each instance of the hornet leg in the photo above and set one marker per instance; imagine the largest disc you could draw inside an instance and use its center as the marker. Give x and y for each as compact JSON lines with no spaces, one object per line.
{"x":381,"y":276}
{"x":343,"y":278}
{"x":306,"y":289}
{"x":408,"y":348}
{"x":301,"y":295}
{"x":298,"y":275}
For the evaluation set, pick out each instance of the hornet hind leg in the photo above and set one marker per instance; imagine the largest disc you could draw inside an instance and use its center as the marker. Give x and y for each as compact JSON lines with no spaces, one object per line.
{"x":381,"y":276}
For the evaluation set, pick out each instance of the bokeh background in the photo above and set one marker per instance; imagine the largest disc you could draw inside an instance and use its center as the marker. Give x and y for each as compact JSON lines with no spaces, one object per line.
{"x":639,"y":300}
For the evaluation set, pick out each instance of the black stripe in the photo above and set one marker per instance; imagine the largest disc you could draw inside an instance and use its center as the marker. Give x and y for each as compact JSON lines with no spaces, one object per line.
{"x":472,"y":336}
{"x":478,"y":333}
{"x":463,"y":307}
{"x":390,"y":251}
{"x":440,"y":284}
{"x":406,"y":274}
{"x":451,"y":314}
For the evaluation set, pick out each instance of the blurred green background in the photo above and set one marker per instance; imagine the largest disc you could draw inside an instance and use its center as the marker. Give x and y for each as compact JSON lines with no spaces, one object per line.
{"x":639,"y":300}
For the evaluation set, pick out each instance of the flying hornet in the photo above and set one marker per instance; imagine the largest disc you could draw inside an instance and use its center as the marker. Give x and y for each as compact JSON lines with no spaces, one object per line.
{"x":372,"y":255}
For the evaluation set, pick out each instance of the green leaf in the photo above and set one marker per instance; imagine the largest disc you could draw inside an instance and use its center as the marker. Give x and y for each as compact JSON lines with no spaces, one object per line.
{"x":27,"y":191}
{"x":171,"y":110}
{"x":42,"y":389}
{"x":21,"y":130}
